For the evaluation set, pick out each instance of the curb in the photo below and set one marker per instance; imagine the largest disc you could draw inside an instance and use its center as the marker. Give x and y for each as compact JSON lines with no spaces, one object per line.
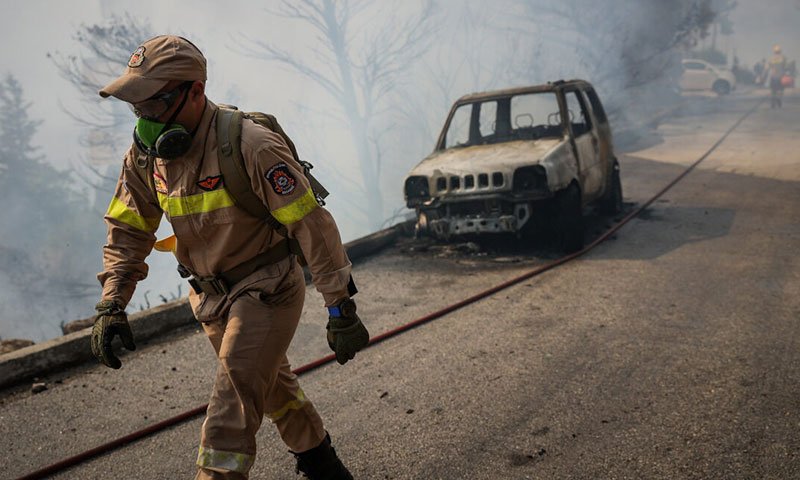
{"x":74,"y":348}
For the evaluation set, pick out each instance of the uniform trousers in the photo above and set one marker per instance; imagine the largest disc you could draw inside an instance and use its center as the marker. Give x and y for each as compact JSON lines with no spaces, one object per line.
{"x":251,"y":329}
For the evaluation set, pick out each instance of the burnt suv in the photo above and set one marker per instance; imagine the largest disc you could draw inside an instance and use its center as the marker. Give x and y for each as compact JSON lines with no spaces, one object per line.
{"x":518,"y":161}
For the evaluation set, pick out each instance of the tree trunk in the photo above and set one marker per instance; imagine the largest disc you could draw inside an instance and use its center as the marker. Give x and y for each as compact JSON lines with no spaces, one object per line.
{"x":714,"y":36}
{"x":359,"y":124}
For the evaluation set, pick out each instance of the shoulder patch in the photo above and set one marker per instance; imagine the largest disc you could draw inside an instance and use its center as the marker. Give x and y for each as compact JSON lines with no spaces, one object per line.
{"x":281,"y":179}
{"x":137,"y":57}
{"x":210,"y":183}
{"x":161,"y":184}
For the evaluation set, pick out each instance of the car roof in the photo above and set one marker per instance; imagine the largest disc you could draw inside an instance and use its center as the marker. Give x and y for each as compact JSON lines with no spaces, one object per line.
{"x":508,"y":92}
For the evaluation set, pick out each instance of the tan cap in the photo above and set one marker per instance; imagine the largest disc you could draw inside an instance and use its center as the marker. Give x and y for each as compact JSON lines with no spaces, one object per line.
{"x":154,"y":64}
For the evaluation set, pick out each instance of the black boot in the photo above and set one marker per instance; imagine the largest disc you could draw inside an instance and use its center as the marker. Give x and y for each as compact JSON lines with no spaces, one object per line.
{"x":321,"y":463}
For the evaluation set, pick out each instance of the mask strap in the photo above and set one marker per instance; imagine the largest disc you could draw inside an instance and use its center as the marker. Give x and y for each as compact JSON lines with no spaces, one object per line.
{"x":196,"y":127}
{"x":174,"y":114}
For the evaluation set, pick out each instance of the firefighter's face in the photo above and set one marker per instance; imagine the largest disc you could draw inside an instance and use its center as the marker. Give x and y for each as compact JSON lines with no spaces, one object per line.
{"x":162,"y":103}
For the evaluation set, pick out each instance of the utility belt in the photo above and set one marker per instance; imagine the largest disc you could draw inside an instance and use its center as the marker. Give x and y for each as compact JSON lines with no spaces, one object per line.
{"x":221,"y":283}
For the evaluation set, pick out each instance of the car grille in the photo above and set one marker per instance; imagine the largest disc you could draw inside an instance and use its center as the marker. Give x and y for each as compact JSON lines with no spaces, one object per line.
{"x":455,"y":183}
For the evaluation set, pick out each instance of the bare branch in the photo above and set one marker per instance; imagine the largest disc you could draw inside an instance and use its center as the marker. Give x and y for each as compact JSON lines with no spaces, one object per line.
{"x":271,"y":53}
{"x":362,"y":86}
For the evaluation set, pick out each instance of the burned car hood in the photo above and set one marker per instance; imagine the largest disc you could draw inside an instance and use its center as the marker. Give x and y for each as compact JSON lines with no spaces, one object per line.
{"x":503,"y":157}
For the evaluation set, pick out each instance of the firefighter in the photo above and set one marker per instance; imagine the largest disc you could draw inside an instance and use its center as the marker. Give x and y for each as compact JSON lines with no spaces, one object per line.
{"x":776,"y":69}
{"x":758,"y":71}
{"x":248,"y":288}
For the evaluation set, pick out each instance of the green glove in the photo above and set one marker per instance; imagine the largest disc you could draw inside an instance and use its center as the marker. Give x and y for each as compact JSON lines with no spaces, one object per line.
{"x":110,"y":321}
{"x":346,"y":334}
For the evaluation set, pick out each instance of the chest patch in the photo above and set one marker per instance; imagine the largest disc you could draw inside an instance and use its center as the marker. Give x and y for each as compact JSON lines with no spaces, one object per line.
{"x":210,"y":183}
{"x":281,"y":179}
{"x":161,"y":184}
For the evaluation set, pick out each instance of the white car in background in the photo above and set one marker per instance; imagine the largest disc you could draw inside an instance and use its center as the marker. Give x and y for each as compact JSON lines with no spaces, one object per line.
{"x":701,"y":75}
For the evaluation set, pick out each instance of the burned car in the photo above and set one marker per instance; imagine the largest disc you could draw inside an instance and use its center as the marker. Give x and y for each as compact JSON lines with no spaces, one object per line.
{"x":518,"y":161}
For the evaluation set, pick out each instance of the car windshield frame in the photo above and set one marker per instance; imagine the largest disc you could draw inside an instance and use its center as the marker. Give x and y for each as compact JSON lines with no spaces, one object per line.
{"x":553,"y":126}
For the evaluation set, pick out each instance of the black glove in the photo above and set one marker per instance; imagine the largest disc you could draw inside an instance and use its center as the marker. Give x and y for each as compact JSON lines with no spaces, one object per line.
{"x":110,"y":321}
{"x":346,"y":334}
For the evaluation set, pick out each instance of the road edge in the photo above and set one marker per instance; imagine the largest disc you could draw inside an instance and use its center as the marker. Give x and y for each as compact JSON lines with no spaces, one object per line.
{"x":74,"y":348}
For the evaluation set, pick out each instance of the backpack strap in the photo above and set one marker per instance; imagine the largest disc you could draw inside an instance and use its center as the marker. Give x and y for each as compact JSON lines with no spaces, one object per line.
{"x":271,"y":123}
{"x":143,"y":165}
{"x":235,"y":176}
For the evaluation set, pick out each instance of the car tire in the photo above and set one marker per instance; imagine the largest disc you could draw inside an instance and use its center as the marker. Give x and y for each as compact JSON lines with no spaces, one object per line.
{"x":611,"y":203}
{"x":721,"y":87}
{"x":568,"y":221}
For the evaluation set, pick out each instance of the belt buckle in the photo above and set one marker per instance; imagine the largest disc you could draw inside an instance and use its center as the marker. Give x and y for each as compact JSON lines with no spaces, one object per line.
{"x":216,"y":284}
{"x":219,"y":286}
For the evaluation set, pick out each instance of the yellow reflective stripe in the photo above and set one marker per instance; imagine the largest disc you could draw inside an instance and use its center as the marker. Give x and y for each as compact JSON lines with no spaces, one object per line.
{"x":121,"y":212}
{"x":201,"y":203}
{"x":222,"y":461}
{"x":295,"y":404}
{"x":295,"y":211}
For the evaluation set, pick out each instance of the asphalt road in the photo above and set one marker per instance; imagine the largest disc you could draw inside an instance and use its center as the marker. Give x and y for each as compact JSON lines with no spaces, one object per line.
{"x":670,"y":351}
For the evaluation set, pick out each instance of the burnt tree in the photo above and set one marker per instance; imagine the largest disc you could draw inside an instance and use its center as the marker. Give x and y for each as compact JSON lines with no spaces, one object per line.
{"x":358,"y":75}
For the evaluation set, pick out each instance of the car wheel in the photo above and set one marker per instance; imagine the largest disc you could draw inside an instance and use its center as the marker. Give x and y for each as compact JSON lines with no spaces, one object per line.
{"x":721,"y":87}
{"x":611,"y":203}
{"x":568,"y":222}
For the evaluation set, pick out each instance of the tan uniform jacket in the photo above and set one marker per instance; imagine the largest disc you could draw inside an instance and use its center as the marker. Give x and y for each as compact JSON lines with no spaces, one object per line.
{"x":213,"y":235}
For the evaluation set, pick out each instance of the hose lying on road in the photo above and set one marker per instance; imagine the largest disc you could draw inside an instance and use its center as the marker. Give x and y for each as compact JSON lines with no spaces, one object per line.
{"x":164,"y":424}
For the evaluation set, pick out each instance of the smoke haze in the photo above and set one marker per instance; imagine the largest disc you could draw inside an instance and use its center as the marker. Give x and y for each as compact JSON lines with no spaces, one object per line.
{"x":463,"y":47}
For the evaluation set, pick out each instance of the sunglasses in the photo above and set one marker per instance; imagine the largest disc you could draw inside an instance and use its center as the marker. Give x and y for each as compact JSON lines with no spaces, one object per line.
{"x":158,"y":104}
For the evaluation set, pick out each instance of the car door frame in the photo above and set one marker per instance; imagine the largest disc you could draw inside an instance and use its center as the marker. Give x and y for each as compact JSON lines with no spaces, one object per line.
{"x":587,"y":156}
{"x":696,"y":78}
{"x":602,"y":126}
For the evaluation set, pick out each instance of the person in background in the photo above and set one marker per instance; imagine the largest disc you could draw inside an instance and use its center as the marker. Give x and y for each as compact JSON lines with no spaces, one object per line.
{"x":758,"y":70}
{"x":776,"y":70}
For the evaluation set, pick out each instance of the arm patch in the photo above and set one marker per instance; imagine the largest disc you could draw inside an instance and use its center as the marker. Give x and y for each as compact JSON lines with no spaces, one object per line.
{"x":281,"y":179}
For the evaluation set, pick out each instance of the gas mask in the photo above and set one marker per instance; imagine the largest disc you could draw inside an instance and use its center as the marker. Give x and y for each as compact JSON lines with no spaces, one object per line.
{"x":164,"y":140}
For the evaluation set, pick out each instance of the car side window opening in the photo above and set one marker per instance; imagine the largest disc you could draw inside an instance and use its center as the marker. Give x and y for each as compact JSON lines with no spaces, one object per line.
{"x":586,"y":107}
{"x":591,"y":114}
{"x":694,"y":66}
{"x":579,"y":117}
{"x":597,"y":106}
